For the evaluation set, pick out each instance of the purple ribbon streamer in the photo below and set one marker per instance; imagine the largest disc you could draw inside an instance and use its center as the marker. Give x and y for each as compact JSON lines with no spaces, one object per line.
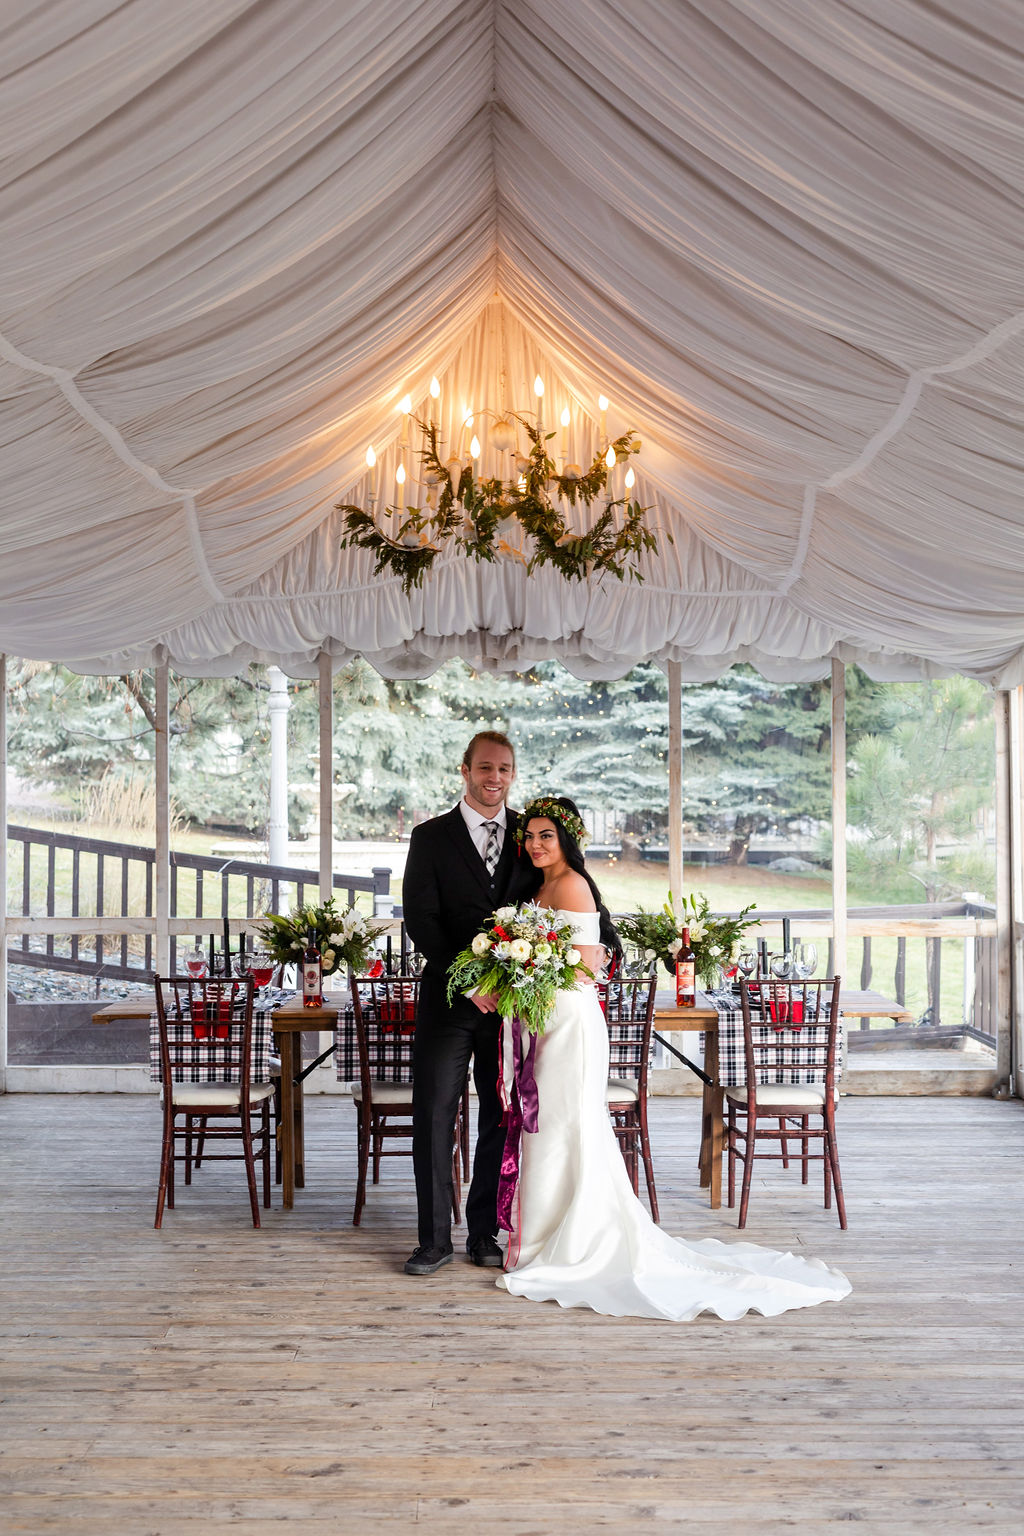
{"x":521,"y":1116}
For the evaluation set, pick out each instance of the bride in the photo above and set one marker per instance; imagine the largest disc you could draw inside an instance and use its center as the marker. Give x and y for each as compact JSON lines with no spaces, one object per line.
{"x":580,"y":1236}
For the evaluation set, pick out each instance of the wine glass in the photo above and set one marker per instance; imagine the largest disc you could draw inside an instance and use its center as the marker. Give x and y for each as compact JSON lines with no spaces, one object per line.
{"x":747,"y":962}
{"x":195,"y":963}
{"x":782,"y":965}
{"x":260,"y":966}
{"x":805,"y":958}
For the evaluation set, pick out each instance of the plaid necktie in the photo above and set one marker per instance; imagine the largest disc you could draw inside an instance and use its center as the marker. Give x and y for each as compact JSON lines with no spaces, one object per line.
{"x":492,"y":852}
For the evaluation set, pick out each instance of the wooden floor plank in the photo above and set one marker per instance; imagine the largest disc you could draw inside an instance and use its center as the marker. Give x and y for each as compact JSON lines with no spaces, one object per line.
{"x":211,"y":1376}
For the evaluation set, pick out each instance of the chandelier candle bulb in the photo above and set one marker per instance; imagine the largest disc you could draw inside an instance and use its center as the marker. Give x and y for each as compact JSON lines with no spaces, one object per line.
{"x":405,"y":406}
{"x":435,"y":388}
{"x":464,"y":511}
{"x":602,"y":405}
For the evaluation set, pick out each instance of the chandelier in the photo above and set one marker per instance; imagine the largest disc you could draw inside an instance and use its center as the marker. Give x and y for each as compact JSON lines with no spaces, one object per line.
{"x":529,"y":516}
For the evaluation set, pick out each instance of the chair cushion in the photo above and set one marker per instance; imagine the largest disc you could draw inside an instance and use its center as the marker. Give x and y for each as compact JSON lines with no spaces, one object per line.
{"x":195,"y":1095}
{"x":392,"y":1094}
{"x":809,"y":1096}
{"x":621,"y":1090}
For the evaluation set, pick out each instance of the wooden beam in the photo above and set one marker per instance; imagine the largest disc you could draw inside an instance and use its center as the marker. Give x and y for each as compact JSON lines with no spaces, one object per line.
{"x":162,"y":831}
{"x":3,"y":873}
{"x":839,"y":815}
{"x":326,"y":767}
{"x":1004,"y":886}
{"x":675,"y":778}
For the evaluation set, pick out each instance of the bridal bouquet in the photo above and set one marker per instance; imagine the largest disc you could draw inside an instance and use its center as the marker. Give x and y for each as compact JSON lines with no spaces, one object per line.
{"x":524,"y":957}
{"x":343,"y":938}
{"x":713,"y":940}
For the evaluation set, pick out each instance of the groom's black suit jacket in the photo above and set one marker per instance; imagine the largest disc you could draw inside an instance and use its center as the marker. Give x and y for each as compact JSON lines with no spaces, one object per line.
{"x":447,"y":897}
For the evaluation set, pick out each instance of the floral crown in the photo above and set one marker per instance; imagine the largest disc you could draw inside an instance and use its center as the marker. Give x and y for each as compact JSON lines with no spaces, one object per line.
{"x":554,"y":810}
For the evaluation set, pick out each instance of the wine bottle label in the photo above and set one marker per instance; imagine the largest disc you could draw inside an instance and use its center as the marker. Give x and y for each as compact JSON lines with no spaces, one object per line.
{"x":311,"y":979}
{"x":686,"y":984}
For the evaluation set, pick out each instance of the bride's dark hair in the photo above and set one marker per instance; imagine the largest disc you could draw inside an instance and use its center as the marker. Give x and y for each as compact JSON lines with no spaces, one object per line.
{"x":574,"y":858}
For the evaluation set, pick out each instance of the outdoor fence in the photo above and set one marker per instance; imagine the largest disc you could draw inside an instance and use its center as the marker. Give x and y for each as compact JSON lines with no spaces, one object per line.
{"x":82,"y":878}
{"x":937,"y":959}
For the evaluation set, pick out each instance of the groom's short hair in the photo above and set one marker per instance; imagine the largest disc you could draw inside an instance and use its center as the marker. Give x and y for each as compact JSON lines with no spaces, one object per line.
{"x":496,"y":738}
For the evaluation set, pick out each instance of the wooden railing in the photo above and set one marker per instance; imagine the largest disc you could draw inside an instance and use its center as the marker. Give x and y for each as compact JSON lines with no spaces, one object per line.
{"x":105,"y":893}
{"x":955,"y":937}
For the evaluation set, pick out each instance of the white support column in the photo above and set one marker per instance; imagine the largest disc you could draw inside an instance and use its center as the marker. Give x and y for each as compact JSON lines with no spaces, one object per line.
{"x":278,"y":824}
{"x":326,"y":765}
{"x":3,"y":873}
{"x":162,"y":831}
{"x":839,"y":817}
{"x":1016,"y":776}
{"x":1004,"y":886}
{"x":675,"y":779}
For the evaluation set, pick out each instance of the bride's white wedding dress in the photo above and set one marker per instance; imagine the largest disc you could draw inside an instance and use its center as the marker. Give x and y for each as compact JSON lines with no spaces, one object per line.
{"x":584,"y":1240}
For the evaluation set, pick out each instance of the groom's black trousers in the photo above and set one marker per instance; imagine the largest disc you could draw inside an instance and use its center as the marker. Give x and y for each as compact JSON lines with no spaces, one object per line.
{"x":444,"y":1042}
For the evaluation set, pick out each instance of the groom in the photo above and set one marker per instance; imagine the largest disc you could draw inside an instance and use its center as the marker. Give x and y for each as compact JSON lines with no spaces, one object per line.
{"x":460,"y":867}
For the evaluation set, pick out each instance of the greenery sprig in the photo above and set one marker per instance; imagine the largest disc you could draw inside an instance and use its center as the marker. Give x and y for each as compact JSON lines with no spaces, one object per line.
{"x":470,"y":513}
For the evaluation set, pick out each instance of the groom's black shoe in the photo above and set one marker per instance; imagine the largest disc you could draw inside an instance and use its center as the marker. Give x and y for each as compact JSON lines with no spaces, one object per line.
{"x":485,"y":1252}
{"x":426,"y":1260}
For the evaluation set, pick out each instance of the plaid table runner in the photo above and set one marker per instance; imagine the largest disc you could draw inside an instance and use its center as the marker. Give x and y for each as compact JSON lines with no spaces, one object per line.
{"x":394,"y":1063}
{"x":390,"y":1050}
{"x":216,"y":1061}
{"x":803,"y":1061}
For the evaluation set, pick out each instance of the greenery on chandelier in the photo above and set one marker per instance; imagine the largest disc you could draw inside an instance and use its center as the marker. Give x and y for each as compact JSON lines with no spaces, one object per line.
{"x":476,"y":515}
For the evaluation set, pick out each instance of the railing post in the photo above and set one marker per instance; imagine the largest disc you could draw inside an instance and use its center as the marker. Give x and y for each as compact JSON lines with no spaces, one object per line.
{"x":162,"y":830}
{"x":3,"y":873}
{"x":383,"y":903}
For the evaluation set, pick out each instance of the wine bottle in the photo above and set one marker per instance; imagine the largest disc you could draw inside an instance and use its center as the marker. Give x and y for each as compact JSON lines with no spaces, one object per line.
{"x":686,"y":974}
{"x":312,"y":974}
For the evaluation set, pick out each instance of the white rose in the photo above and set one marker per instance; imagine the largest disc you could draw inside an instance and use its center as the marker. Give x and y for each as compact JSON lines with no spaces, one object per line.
{"x":541,"y":951}
{"x":519,"y":949}
{"x":504,"y":915}
{"x":574,"y":957}
{"x":335,"y":938}
{"x":481,"y":944}
{"x":650,"y":954}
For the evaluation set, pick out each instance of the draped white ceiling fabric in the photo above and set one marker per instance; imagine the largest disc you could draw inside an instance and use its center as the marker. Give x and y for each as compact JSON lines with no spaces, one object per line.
{"x":784,"y":239}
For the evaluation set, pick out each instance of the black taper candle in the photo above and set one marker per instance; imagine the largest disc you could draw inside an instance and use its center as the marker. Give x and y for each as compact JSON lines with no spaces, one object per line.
{"x":241,"y":944}
{"x":388,"y":961}
{"x":227,"y":948}
{"x":762,"y":956}
{"x":213,"y":957}
{"x":786,"y":944}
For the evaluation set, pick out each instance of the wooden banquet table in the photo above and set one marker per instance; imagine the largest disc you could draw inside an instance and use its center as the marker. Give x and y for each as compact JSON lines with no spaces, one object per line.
{"x":289,"y":1019}
{"x":669,"y":1019}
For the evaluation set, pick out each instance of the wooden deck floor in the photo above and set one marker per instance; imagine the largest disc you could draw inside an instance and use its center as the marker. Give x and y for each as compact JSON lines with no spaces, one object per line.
{"x":211,"y":1377}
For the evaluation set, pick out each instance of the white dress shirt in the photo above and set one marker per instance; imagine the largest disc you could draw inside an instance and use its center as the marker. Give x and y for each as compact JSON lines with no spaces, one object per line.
{"x":477,"y":826}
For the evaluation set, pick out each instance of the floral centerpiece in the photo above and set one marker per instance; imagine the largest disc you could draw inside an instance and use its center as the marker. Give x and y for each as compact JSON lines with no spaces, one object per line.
{"x":523,"y":957}
{"x":714,"y":940}
{"x":343,"y":938}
